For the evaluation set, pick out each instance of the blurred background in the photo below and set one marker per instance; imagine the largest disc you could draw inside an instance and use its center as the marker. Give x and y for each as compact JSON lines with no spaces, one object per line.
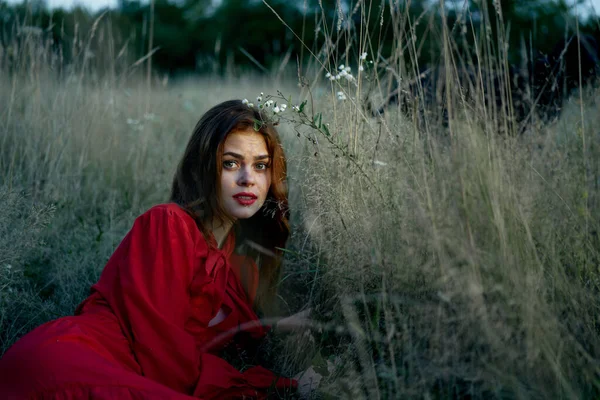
{"x":209,"y":36}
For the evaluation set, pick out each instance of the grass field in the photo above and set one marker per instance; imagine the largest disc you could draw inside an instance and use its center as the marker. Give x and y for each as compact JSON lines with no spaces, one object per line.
{"x":441,"y":263}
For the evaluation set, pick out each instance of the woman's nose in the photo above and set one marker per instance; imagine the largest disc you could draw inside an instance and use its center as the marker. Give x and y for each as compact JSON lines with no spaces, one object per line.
{"x":246,"y":177}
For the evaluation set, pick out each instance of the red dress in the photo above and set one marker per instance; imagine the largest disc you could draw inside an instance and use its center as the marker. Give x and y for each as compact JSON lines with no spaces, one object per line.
{"x":143,"y":331}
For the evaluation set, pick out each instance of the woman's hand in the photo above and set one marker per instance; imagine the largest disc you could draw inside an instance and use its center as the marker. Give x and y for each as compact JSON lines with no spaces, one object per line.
{"x":308,"y":381}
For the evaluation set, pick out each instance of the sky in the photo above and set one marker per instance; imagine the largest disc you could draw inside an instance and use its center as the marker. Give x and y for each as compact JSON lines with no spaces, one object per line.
{"x":95,"y":5}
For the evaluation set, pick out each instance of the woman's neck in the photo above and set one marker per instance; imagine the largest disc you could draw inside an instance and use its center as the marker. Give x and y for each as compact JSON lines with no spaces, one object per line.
{"x":220,"y":230}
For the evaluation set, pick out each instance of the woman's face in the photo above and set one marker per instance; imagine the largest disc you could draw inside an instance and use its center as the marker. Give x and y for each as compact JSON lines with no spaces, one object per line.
{"x":245,"y":173}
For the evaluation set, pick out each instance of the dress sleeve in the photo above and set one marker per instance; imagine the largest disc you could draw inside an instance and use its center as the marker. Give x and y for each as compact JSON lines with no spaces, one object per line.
{"x":146,"y":282}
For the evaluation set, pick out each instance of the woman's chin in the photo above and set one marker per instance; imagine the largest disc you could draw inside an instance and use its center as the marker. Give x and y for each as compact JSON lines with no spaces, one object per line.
{"x":243,"y":213}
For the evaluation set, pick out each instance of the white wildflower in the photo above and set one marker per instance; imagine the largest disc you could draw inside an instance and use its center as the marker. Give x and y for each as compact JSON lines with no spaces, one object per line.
{"x":276,"y":110}
{"x":363,"y":56}
{"x":341,"y":67}
{"x":250,"y":105}
{"x":258,"y":99}
{"x":8,"y":266}
{"x":332,"y":77}
{"x":361,"y":68}
{"x":341,"y":96}
{"x":296,"y":108}
{"x":347,"y":70}
{"x":328,"y":75}
{"x":245,"y":101}
{"x":131,"y":121}
{"x":283,"y":107}
{"x":269,"y":103}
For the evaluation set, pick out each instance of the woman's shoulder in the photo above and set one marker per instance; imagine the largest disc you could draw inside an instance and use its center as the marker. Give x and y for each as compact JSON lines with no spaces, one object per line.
{"x":172,"y":215}
{"x":173,"y":209}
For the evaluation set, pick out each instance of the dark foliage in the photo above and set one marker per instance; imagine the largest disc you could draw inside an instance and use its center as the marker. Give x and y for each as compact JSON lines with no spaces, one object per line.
{"x":538,"y":88}
{"x":196,"y":36}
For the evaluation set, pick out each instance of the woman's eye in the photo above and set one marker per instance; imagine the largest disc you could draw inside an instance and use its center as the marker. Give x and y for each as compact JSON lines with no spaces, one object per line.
{"x":229,"y":164}
{"x":262,"y":166}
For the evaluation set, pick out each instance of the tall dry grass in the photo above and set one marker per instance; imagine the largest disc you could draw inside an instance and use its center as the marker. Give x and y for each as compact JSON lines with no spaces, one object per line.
{"x":440,"y":261}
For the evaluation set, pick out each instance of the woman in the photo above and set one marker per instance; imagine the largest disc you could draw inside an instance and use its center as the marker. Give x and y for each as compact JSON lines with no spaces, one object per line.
{"x":187,"y":273}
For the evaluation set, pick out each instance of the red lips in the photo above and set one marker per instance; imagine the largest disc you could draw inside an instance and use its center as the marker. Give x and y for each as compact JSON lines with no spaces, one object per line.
{"x":245,"y":198}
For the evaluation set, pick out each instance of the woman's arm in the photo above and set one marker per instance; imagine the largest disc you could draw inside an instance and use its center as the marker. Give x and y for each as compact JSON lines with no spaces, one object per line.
{"x":146,"y":283}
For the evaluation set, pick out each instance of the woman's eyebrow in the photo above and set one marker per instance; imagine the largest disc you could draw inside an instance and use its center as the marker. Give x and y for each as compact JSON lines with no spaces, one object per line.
{"x":241,"y":157}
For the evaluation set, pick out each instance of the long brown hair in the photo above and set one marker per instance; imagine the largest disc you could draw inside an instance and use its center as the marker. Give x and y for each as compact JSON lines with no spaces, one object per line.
{"x":196,"y":184}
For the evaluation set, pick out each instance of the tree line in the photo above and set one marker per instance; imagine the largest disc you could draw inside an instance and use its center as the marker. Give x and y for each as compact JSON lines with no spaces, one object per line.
{"x":200,"y":36}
